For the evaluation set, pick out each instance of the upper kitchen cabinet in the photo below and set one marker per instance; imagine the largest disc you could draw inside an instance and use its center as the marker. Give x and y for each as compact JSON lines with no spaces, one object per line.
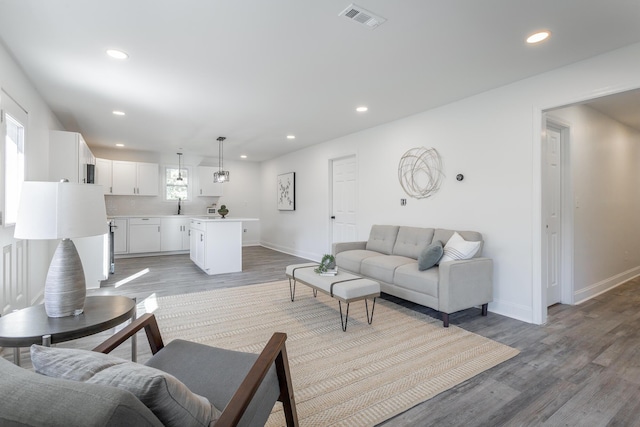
{"x":104,"y":174}
{"x":69,"y":156}
{"x":134,"y":178}
{"x":205,"y":182}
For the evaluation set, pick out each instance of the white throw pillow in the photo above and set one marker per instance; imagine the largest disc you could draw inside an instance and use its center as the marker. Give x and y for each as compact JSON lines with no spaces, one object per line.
{"x":458,"y":248}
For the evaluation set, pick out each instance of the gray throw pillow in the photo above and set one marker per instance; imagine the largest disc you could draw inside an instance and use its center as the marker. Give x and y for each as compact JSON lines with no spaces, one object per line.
{"x":430,"y":255}
{"x":168,"y":398}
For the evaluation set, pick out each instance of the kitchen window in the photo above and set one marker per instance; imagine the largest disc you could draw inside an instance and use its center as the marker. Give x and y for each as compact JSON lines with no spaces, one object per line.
{"x":176,"y":183}
{"x":14,"y":121}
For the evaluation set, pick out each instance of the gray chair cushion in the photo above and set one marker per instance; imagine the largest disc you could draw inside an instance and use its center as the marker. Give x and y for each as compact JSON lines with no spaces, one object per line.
{"x":430,"y":255}
{"x":409,"y":277}
{"x":384,"y":266}
{"x":352,"y":260}
{"x":216,"y":374}
{"x":411,"y":241}
{"x":382,"y":238}
{"x":169,"y":399}
{"x":30,"y":399}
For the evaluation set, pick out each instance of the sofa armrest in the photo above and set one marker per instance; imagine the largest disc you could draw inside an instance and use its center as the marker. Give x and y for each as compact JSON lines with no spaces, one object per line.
{"x":347,"y":246}
{"x":464,"y":284}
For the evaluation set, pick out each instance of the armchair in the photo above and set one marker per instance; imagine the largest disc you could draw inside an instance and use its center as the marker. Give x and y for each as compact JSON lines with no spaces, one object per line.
{"x":241,"y":383}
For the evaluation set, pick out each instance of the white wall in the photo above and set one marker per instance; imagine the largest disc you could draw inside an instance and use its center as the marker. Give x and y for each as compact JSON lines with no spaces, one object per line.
{"x":492,"y":138}
{"x":40,"y":121}
{"x":241,"y":194}
{"x":605,"y":155}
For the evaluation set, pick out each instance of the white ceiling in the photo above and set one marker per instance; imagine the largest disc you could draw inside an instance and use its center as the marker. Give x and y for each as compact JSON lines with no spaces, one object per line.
{"x":256,"y":70}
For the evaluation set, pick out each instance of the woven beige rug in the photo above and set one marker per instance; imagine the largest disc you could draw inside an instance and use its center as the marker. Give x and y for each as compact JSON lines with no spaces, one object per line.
{"x":360,"y":377}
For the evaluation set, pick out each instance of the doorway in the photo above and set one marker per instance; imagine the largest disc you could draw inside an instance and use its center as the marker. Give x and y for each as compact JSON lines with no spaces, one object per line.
{"x":343,"y":209}
{"x":557,"y":214}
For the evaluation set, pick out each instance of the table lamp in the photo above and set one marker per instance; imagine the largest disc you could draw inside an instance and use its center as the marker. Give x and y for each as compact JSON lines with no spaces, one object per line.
{"x":62,"y":210}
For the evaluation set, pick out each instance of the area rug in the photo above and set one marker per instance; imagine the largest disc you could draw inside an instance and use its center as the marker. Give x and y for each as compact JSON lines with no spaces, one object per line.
{"x":360,"y":377}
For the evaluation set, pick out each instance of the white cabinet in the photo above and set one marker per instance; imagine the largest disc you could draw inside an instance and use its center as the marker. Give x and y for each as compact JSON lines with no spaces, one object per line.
{"x":144,"y":235}
{"x":69,"y":156}
{"x":174,"y":234}
{"x":103,"y":175}
{"x":197,"y":242}
{"x":147,"y":178}
{"x":134,"y":178}
{"x":206,"y":186}
{"x":121,"y":236}
{"x":216,"y":246}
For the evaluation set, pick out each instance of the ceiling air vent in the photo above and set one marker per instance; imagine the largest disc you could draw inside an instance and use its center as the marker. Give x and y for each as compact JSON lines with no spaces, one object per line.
{"x":362,"y":16}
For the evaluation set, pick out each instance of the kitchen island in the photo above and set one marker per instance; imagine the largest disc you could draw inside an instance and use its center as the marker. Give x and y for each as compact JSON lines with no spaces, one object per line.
{"x":215,"y":244}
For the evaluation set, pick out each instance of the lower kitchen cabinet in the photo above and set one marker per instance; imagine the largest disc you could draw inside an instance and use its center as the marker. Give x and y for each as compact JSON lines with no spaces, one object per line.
{"x":120,"y":236}
{"x":144,"y":235}
{"x":174,"y":234}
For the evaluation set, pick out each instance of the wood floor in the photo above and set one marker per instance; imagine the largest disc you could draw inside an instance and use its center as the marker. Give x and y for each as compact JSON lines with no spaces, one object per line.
{"x":580,"y":369}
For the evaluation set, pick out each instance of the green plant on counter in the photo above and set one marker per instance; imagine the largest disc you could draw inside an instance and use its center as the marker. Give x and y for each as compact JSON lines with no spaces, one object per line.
{"x":328,"y":262}
{"x":223,"y":210}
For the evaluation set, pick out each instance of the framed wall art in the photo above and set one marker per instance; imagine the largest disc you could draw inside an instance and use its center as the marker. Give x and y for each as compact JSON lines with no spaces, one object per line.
{"x":287,"y":191}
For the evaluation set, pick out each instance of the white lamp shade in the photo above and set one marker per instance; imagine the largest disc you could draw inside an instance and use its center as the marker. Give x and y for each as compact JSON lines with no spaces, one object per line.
{"x":60,"y":210}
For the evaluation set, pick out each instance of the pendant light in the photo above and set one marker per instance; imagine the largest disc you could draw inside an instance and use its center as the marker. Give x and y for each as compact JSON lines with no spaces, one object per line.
{"x":179,"y":178}
{"x":222,"y":175}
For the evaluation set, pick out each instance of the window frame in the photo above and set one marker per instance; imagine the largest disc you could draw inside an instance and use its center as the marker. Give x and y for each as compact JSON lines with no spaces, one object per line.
{"x":166,"y":184}
{"x":8,"y":106}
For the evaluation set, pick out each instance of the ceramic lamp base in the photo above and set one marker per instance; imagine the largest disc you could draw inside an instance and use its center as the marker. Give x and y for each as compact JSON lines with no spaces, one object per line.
{"x":65,"y":290}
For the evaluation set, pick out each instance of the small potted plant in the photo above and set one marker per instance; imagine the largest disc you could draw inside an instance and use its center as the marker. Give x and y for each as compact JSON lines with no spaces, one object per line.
{"x":223,"y":211}
{"x":327,"y":266}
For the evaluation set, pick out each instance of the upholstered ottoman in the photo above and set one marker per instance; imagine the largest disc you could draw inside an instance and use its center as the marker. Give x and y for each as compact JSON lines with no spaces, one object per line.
{"x":345,"y":287}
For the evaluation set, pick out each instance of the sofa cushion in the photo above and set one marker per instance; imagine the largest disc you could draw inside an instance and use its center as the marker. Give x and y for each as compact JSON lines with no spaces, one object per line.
{"x":382,"y":238}
{"x":458,"y":248}
{"x":383,"y":267}
{"x":430,"y":255}
{"x":408,"y":276}
{"x":30,"y":399}
{"x":411,"y":241}
{"x":219,"y":375}
{"x":471,"y":236}
{"x":352,"y":260}
{"x":168,"y":398}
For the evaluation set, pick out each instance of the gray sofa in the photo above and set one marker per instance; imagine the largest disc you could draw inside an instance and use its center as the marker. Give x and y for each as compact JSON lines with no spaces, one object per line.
{"x":390,"y":256}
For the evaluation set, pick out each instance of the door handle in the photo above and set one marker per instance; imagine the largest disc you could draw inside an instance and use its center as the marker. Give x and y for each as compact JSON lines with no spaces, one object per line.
{"x":333,"y":217}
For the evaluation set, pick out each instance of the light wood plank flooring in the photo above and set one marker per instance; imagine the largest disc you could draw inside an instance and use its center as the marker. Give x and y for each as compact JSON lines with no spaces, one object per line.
{"x":581,"y":369}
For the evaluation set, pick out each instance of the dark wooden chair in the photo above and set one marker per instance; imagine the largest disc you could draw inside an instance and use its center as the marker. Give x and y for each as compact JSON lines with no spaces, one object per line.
{"x":245,"y":385}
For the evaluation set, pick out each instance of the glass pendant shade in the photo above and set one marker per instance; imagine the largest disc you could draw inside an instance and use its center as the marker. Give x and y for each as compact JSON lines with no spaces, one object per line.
{"x":222,"y":175}
{"x":179,"y":178}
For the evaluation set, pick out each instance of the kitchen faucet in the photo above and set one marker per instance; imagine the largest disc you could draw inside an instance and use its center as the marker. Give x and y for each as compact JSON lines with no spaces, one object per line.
{"x":179,"y":206}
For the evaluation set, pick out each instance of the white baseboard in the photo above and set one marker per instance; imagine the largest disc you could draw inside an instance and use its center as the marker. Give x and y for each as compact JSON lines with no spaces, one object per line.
{"x":603,"y":286}
{"x":291,"y":251}
{"x":514,"y":311}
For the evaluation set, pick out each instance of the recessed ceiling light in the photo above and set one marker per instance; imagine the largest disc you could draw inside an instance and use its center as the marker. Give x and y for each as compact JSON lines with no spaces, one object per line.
{"x":118,"y":113}
{"x":538,"y":37}
{"x":117,"y":54}
{"x":362,"y":109}
{"x":243,"y":156}
{"x":119,"y":144}
{"x":291,"y":137}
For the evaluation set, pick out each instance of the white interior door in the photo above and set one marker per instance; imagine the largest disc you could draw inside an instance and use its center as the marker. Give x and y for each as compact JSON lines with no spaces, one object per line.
{"x":552,"y":205}
{"x":344,"y":199}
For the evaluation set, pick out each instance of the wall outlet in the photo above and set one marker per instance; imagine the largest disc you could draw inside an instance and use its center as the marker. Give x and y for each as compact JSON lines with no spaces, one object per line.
{"x":403,"y":202}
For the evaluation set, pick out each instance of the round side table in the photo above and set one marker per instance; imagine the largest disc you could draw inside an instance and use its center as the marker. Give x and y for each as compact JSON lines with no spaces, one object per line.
{"x":31,"y":325}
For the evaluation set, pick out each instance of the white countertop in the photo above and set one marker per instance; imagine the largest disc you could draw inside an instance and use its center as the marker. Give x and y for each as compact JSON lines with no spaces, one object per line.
{"x":228,"y":219}
{"x":198,"y":217}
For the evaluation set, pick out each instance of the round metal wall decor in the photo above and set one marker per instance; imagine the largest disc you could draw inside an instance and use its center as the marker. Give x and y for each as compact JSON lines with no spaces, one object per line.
{"x":420,"y":172}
